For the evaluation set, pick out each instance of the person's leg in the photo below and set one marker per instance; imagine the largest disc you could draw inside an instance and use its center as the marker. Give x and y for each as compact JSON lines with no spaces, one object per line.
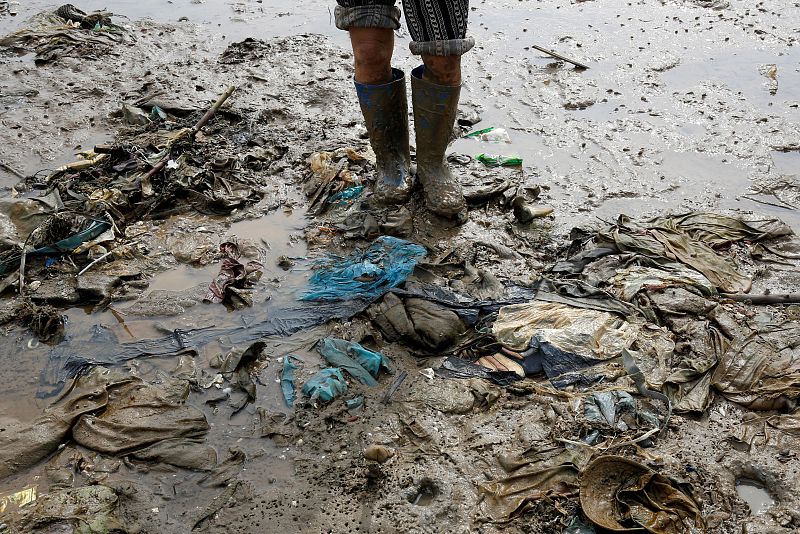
{"x":372,"y":53}
{"x":381,"y":92}
{"x":438,"y":30}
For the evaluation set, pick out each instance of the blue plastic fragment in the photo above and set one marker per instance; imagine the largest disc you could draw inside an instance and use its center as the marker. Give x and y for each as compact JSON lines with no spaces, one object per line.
{"x":326,"y":385}
{"x":355,"y":404}
{"x":287,"y":380}
{"x":348,"y":194}
{"x":49,"y":262}
{"x":386,"y":264}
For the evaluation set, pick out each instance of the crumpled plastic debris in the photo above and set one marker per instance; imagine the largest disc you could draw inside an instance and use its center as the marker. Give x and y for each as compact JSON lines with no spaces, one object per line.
{"x":361,"y":363}
{"x":326,"y":385}
{"x":235,"y":369}
{"x":385,"y":264}
{"x":59,"y":234}
{"x":545,"y":478}
{"x":108,"y":412}
{"x":233,"y":278}
{"x":625,"y":496}
{"x":689,"y":239}
{"x":18,"y":499}
{"x":566,"y":338}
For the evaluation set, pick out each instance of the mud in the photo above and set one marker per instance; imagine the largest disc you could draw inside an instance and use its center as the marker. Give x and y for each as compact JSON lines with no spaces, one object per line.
{"x":677,"y":112}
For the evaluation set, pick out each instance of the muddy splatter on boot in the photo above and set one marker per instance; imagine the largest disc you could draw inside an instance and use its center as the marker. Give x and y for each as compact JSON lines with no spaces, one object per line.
{"x":385,"y":109}
{"x":435,"y":108}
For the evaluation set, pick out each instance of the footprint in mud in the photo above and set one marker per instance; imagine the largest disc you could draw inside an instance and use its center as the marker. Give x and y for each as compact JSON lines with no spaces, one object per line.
{"x":424,"y":494}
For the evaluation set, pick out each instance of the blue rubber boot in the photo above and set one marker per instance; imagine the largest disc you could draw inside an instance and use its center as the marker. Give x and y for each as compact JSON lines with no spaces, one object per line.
{"x":385,"y":109}
{"x":435,"y":109}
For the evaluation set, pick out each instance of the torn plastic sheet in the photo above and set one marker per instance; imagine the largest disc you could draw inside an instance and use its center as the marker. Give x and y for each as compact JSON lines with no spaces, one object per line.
{"x":326,"y":385}
{"x":361,"y":363}
{"x":385,"y":264}
{"x":556,"y":330}
{"x":74,"y":357}
{"x":628,"y":282}
{"x":454,"y":367}
{"x":551,"y":478}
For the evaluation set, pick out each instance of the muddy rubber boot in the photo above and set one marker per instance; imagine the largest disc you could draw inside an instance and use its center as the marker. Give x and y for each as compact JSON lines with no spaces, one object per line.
{"x":435,"y":108}
{"x":385,"y":109}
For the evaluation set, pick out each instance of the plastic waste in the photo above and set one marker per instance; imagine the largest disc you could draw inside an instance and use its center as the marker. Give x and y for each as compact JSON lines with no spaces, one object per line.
{"x":18,"y":498}
{"x":625,"y":496}
{"x":326,"y":385}
{"x":350,"y":193}
{"x":287,"y":380}
{"x":386,"y":264}
{"x":496,"y":160}
{"x":361,"y":363}
{"x":490,"y":135}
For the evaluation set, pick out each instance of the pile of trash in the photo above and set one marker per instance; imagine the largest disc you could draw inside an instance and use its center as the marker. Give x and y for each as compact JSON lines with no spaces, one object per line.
{"x":68,"y":32}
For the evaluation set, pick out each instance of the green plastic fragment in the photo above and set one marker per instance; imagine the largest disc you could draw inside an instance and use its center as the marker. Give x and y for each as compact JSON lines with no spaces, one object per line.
{"x":491,"y":160}
{"x":479,"y":132}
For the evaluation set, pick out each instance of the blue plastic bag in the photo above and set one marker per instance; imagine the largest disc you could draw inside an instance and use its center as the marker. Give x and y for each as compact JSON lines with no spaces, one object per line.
{"x":386,"y":264}
{"x":287,"y":380}
{"x":361,"y":363}
{"x":325,"y":385}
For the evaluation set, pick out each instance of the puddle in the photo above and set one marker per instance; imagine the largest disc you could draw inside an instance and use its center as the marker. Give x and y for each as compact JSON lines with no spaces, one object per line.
{"x":786,"y":162}
{"x":425,"y":494}
{"x":183,"y":277}
{"x":281,"y":232}
{"x":755,"y":495}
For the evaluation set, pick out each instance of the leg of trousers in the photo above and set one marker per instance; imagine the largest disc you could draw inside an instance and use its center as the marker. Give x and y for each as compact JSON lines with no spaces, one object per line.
{"x":437,"y":27}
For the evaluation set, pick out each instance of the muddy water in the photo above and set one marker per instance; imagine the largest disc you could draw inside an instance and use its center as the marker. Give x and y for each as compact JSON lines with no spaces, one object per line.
{"x":755,"y":495}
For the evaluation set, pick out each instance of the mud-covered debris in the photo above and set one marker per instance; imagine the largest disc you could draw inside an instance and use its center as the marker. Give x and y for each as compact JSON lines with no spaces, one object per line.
{"x":555,"y":477}
{"x":623,"y":495}
{"x":378,"y":453}
{"x":691,"y":239}
{"x":18,"y":499}
{"x":525,"y":212}
{"x":416,"y":322}
{"x":46,"y":322}
{"x":90,"y":509}
{"x":69,"y":32}
{"x":335,"y":178}
{"x":234,"y":278}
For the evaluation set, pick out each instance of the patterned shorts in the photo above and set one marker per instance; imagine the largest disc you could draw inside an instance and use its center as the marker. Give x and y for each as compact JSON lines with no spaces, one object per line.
{"x":437,"y":27}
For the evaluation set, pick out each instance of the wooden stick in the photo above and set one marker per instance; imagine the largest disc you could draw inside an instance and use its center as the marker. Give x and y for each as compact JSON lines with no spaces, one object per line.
{"x":197,"y":127}
{"x":12,"y":170}
{"x":559,"y":56}
{"x":778,"y":298}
